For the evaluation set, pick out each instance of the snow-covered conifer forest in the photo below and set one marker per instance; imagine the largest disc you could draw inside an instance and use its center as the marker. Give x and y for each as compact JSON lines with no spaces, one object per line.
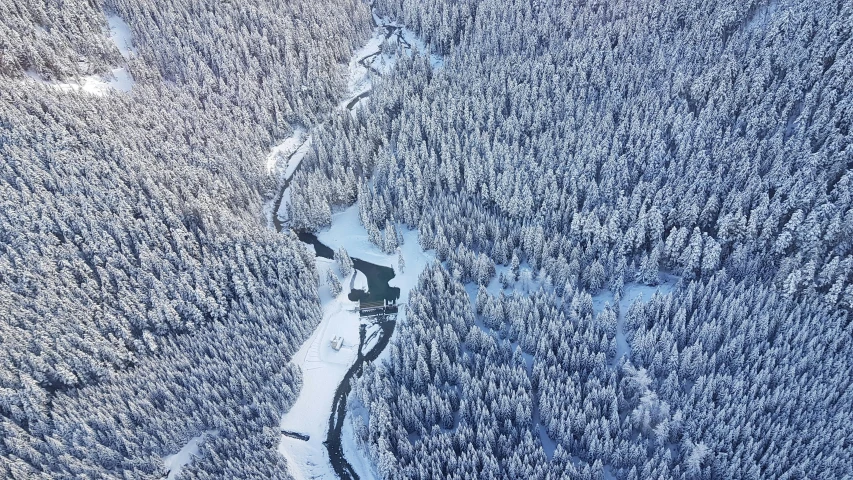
{"x":143,"y":299}
{"x":621,"y":233}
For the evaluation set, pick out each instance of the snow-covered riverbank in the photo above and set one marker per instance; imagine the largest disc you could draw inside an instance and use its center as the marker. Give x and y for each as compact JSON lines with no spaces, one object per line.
{"x":323,"y":367}
{"x":364,"y":65}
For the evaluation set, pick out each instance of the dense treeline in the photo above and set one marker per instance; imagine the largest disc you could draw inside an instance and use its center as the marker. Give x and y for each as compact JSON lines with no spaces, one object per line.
{"x":705,"y":394}
{"x":50,"y":37}
{"x":271,"y":63}
{"x":636,"y":143}
{"x":598,"y":144}
{"x":142,"y":300}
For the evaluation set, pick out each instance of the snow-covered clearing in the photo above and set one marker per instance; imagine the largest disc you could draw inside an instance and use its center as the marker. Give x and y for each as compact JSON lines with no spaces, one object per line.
{"x":120,"y":35}
{"x":359,"y":78}
{"x":348,"y":232}
{"x":372,"y":334}
{"x":293,"y":148}
{"x":174,"y":463}
{"x":121,"y":81}
{"x":118,"y":79}
{"x":360,"y":463}
{"x":323,"y":368}
{"x":359,"y":282}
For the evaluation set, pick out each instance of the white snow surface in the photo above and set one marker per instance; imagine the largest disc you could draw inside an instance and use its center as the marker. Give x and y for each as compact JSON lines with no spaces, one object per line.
{"x":322,"y":367}
{"x":119,"y":79}
{"x":359,"y":281}
{"x":362,"y":466}
{"x":436,"y":61}
{"x":293,"y":149}
{"x":359,"y":79}
{"x":282,"y":212}
{"x":120,"y":35}
{"x":292,"y":164}
{"x":174,"y":463}
{"x":348,"y":232}
{"x":371,"y":338}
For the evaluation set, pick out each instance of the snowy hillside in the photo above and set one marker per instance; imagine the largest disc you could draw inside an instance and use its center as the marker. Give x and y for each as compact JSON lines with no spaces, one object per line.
{"x":139,"y":285}
{"x":426,"y":239}
{"x":642,"y":213}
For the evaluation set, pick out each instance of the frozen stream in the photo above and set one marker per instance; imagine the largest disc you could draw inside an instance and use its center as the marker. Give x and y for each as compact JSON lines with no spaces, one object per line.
{"x":366,"y":63}
{"x":368,"y":350}
{"x":316,"y":440}
{"x":319,"y":416}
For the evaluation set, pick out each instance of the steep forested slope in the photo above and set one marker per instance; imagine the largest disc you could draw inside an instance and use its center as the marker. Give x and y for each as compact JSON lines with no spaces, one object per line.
{"x":597,"y":144}
{"x":579,"y":126}
{"x":142,"y":300}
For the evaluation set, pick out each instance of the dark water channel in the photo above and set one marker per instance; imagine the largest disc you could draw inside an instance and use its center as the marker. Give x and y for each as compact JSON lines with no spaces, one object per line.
{"x":378,"y":277}
{"x":377,"y":283}
{"x":339,"y":404}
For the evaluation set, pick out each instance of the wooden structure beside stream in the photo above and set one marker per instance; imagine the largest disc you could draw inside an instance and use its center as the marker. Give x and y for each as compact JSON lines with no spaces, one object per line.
{"x":374,"y":309}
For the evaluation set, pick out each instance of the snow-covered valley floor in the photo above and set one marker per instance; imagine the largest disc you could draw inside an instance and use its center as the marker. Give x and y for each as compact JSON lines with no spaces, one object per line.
{"x":323,"y":368}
